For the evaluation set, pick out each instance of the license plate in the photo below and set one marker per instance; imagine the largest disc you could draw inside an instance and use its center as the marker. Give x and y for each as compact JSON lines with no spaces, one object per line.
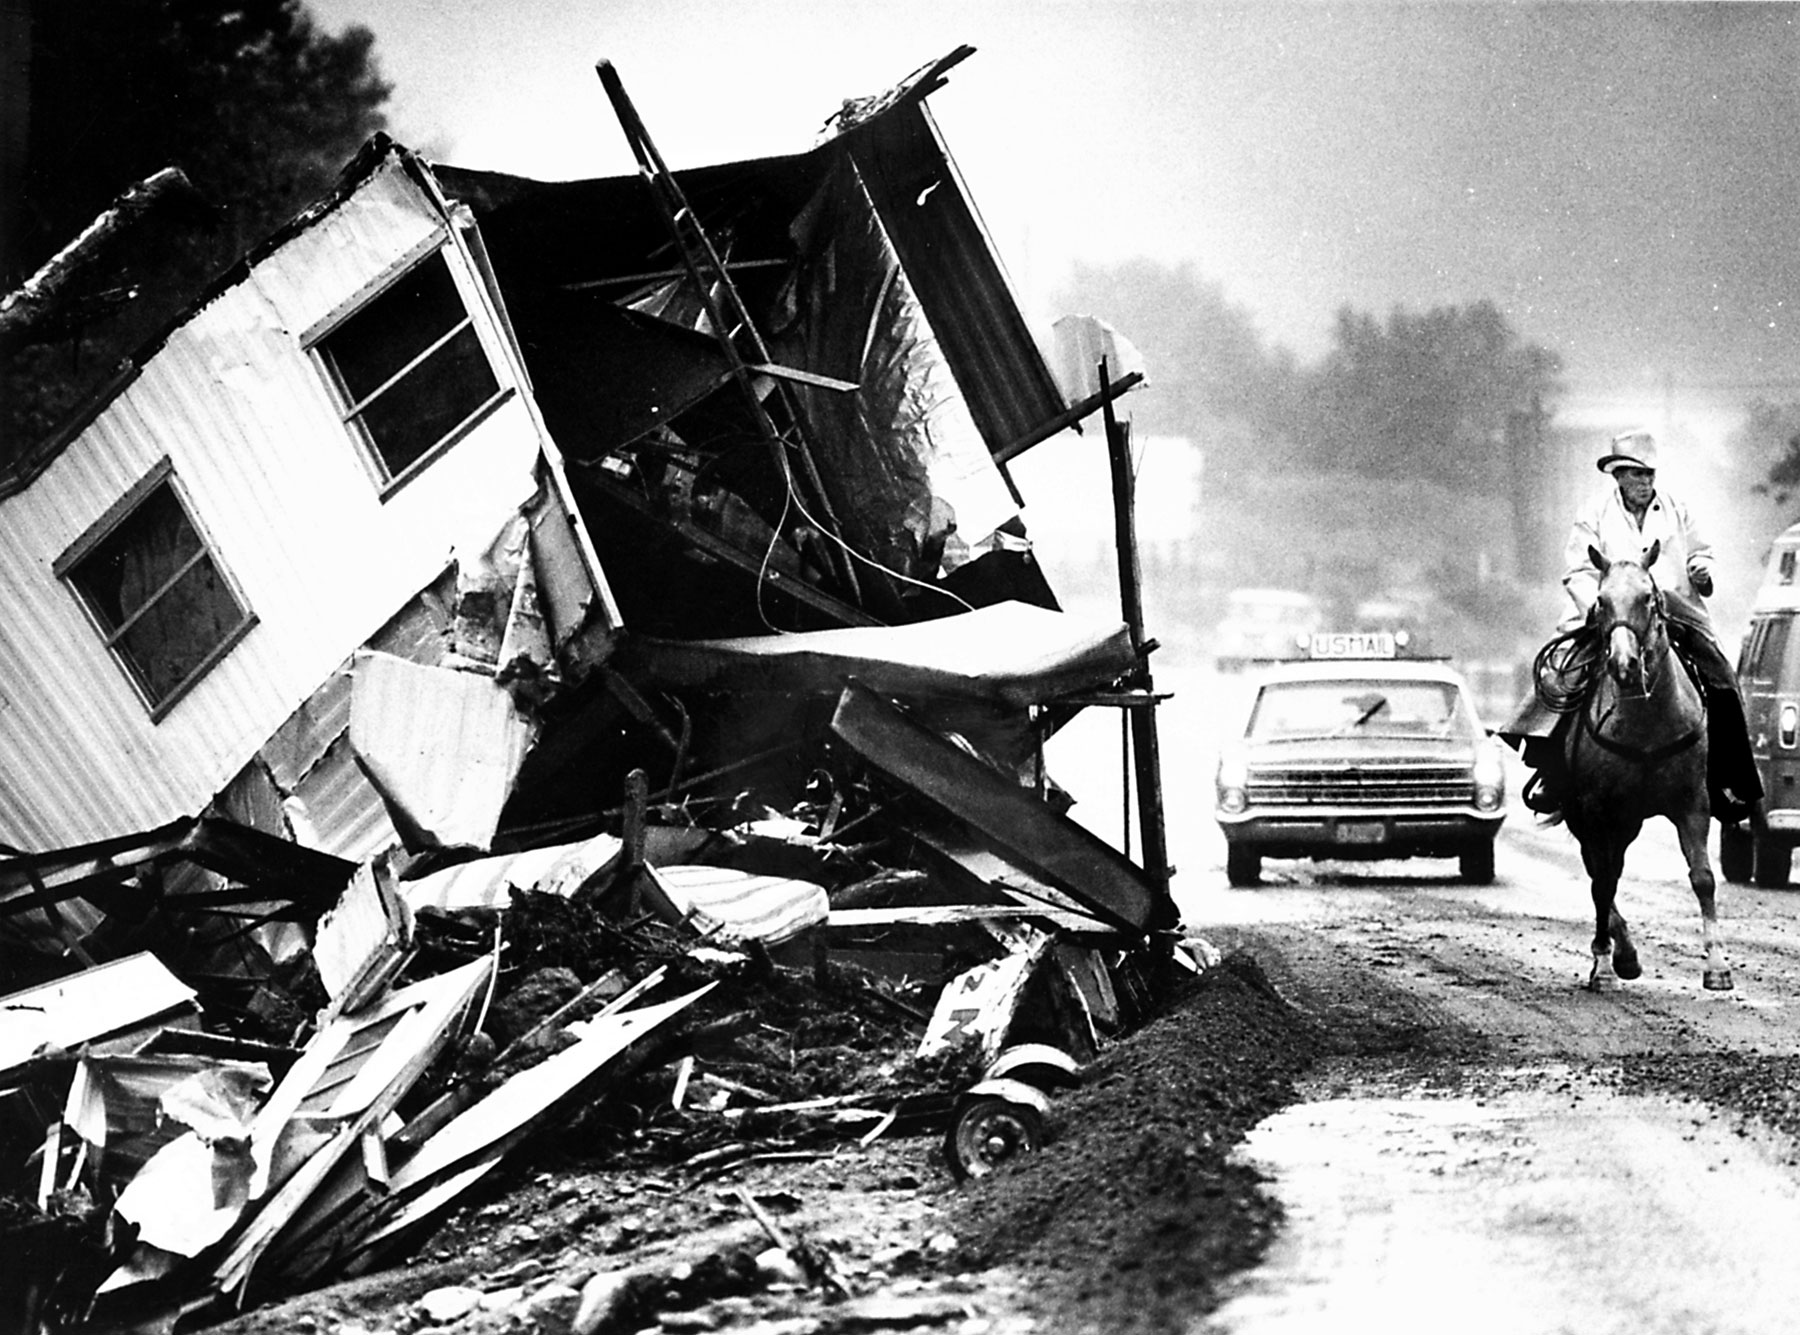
{"x":1361,"y":832}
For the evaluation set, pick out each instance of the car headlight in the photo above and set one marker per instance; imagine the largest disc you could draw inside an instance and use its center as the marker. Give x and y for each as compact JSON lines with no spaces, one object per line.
{"x":1490,"y":779}
{"x":1231,"y":782}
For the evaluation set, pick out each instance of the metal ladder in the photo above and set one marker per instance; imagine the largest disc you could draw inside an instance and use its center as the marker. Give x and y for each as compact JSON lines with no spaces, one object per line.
{"x":732,"y":326}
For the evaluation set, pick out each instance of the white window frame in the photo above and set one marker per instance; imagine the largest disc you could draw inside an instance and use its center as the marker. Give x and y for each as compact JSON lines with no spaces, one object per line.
{"x":351,"y":411}
{"x":67,"y":569}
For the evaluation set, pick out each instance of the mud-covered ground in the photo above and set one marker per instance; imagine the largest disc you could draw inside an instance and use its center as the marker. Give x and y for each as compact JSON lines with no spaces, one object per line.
{"x":1134,"y":1216}
{"x":1124,"y":1221}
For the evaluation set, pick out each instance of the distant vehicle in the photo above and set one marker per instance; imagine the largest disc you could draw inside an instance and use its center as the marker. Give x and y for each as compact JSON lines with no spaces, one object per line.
{"x":1768,"y":675}
{"x":1357,"y":754}
{"x":1406,"y":619}
{"x":1265,"y":625}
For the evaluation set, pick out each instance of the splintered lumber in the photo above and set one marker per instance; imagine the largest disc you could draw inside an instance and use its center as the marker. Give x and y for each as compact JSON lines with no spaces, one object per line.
{"x":1050,"y":846}
{"x":474,"y":1142}
{"x":427,"y":1014}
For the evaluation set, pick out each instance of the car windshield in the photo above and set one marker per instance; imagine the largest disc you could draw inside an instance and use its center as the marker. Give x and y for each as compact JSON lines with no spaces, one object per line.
{"x":1288,"y":711}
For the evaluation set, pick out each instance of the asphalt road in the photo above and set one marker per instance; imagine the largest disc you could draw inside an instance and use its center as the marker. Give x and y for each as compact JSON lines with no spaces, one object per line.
{"x":1527,"y":1192}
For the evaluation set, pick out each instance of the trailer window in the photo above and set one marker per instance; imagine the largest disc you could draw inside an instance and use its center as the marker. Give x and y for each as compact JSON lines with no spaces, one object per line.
{"x":409,"y":369}
{"x":156,"y":592}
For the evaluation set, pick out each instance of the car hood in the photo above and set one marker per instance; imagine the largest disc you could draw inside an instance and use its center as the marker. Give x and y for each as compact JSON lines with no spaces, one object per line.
{"x":1350,"y":750}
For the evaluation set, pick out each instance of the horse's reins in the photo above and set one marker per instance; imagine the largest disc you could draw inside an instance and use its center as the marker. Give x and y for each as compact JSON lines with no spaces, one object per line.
{"x":1618,"y":748}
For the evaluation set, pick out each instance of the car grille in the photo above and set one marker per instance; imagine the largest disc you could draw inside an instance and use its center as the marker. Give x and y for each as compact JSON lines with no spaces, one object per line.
{"x":1367,"y":785}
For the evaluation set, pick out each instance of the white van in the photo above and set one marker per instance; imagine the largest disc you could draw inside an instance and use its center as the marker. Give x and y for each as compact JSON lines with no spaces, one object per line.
{"x":1768,"y":675}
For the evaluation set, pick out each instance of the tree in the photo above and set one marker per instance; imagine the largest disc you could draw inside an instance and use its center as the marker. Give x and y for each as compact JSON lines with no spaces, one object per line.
{"x":1770,"y":439}
{"x":256,"y":107}
{"x":1426,"y":395}
{"x":1206,"y":362}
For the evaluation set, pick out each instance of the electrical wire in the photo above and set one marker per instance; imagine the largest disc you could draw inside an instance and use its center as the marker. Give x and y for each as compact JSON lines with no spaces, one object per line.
{"x":793,"y":499}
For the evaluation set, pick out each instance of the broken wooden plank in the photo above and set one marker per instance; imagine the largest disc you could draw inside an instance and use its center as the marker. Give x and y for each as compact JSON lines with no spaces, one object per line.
{"x":801,"y":377}
{"x":1049,"y":846}
{"x":536,"y":1089}
{"x":363,"y":940}
{"x":430,"y":1009}
{"x":374,"y":1161}
{"x":474,"y":1142}
{"x":926,"y":915}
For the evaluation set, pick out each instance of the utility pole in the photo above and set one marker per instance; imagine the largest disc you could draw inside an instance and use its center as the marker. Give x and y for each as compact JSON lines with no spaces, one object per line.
{"x":1141,"y":698}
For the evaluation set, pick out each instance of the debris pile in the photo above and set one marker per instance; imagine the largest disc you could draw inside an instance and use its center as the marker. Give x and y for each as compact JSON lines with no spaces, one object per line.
{"x":684,"y":992}
{"x":697,"y":798}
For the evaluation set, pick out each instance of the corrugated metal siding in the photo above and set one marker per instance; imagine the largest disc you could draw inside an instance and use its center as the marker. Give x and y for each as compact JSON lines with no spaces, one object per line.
{"x":952,"y":268}
{"x":337,"y":810}
{"x":278,"y":487}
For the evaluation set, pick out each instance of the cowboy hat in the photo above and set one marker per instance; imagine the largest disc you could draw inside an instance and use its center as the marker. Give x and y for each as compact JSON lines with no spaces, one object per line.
{"x":1635,"y":448}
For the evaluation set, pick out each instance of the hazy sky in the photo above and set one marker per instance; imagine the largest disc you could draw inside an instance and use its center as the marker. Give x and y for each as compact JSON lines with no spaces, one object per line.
{"x":1623,"y":179}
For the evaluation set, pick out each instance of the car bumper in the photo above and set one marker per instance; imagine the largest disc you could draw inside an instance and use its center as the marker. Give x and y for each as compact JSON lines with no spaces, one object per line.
{"x":1360,"y":833}
{"x":1784,"y":821}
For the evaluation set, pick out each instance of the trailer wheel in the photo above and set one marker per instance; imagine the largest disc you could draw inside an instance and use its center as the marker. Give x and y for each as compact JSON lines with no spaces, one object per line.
{"x":989,"y":1130}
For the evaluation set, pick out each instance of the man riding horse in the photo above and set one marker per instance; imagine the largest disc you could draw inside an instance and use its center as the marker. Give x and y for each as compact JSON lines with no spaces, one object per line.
{"x":1631,"y":521}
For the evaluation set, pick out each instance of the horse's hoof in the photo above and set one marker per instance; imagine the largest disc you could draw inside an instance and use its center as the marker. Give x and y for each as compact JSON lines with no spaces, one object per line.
{"x":1627,"y":966}
{"x":1716,"y":980}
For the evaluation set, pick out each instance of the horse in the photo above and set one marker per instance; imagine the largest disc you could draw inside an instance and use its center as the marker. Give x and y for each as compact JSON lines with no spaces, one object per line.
{"x":1635,"y":749}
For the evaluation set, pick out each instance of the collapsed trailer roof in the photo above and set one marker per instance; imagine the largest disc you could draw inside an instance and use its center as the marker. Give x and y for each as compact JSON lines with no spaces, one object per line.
{"x":609,"y":237}
{"x":1011,"y":653}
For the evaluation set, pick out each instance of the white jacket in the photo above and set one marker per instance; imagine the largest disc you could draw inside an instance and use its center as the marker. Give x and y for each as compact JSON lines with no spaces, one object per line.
{"x":1606,"y":524}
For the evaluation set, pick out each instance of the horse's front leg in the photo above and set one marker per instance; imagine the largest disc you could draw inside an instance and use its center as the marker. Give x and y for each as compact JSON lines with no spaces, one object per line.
{"x":1692,"y":830}
{"x":1605,"y":862}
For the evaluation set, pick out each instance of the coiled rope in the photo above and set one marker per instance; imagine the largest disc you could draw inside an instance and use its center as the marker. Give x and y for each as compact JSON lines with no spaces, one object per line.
{"x":1566,"y":669}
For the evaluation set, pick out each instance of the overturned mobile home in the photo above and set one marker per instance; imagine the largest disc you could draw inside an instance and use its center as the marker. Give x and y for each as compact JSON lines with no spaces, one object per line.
{"x":643,"y":547}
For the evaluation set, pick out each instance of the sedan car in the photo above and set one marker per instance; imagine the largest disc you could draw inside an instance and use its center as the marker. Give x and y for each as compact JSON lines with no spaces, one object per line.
{"x":1346,"y":756}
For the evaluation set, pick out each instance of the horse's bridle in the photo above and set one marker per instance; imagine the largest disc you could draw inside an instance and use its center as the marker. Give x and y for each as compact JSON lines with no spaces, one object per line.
{"x":1658,"y":615}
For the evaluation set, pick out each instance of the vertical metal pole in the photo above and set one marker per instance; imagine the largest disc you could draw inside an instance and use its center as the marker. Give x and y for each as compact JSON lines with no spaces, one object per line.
{"x":1145,"y":751}
{"x":1126,"y":750}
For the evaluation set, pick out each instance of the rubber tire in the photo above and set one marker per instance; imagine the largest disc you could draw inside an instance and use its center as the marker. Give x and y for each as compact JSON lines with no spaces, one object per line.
{"x":1243,"y":866}
{"x":986,"y":1132}
{"x":1737,"y":855}
{"x":1772,"y":860}
{"x":1476,"y":863}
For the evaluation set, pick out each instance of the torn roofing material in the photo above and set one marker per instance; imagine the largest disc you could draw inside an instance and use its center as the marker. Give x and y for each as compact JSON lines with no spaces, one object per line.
{"x":1011,"y":653}
{"x":489,"y":883}
{"x":132,"y":996}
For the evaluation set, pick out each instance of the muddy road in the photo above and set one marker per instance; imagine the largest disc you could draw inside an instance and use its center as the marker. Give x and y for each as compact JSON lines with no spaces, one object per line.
{"x":1491,"y":1146}
{"x":1620,"y":1160}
